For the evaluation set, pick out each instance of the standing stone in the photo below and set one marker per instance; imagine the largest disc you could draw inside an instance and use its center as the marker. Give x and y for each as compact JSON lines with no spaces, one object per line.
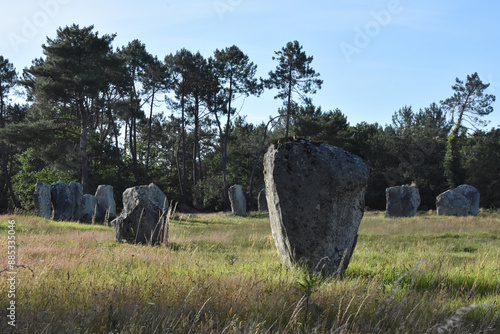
{"x":262,"y":200}
{"x":238,"y":201}
{"x":42,"y":199}
{"x":77,"y":192}
{"x":451,"y":203}
{"x":89,"y":207}
{"x":315,"y":193}
{"x":472,"y":194}
{"x":106,"y":202}
{"x":62,"y":201}
{"x":402,"y":201}
{"x":143,"y":219}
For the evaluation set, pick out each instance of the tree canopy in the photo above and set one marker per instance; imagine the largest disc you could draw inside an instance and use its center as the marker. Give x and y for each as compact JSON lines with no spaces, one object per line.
{"x":95,"y":114}
{"x":293,"y":74}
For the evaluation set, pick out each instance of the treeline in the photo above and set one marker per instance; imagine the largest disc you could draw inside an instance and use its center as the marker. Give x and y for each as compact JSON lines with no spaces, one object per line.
{"x":92,"y":115}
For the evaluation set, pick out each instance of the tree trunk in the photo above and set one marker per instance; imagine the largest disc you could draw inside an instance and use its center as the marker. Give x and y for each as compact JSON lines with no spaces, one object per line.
{"x":453,"y":168}
{"x":146,"y":172}
{"x":6,"y":154}
{"x":181,"y":186}
{"x":289,"y":106}
{"x":184,"y":167}
{"x":134,"y":106}
{"x":254,"y":167}
{"x":83,"y":149}
{"x":224,"y":149}
{"x":196,"y":141}
{"x":16,"y":202}
{"x":134,"y":147}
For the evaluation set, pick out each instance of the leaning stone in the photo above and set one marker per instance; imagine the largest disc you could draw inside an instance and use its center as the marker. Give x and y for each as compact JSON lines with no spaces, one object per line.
{"x":143,"y":219}
{"x":62,"y":201}
{"x":262,"y":200}
{"x":77,"y":192}
{"x":452,"y":203}
{"x":402,"y":201}
{"x":106,"y":203}
{"x":238,"y":201}
{"x":89,"y":207}
{"x":315,"y":193}
{"x":472,"y":194}
{"x":41,"y":198}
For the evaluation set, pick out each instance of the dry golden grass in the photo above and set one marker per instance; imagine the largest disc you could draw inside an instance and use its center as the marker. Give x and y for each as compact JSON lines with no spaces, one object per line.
{"x":221,"y":274}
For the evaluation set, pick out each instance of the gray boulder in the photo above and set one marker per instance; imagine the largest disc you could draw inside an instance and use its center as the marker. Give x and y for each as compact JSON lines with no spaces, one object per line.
{"x":262,"y":200}
{"x":89,"y":207}
{"x":62,"y":201}
{"x":143,"y":219}
{"x":77,"y":192}
{"x":41,"y":197}
{"x":452,"y":203}
{"x":106,"y":206}
{"x":238,"y":201}
{"x":402,"y":201}
{"x":315,"y":193}
{"x":472,"y":194}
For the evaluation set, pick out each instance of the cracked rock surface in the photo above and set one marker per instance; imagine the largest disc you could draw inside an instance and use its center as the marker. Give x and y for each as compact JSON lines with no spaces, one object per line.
{"x":315,"y":195}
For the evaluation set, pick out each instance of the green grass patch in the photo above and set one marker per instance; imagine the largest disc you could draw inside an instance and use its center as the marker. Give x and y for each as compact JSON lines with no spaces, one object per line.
{"x":221,"y":274}
{"x":36,"y":225}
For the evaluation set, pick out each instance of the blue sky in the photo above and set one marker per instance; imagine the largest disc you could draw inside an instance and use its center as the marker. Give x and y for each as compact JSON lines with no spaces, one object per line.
{"x":374,"y":56}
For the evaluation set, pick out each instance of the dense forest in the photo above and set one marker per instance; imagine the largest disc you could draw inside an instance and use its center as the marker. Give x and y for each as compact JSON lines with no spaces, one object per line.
{"x":91,"y":115}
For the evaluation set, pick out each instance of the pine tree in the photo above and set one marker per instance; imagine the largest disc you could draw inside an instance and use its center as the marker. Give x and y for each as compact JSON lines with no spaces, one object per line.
{"x":467,"y":105}
{"x":293,"y":74}
{"x":67,"y":83}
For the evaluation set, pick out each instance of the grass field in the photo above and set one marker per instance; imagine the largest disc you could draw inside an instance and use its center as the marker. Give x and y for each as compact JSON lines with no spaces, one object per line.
{"x":221,"y":274}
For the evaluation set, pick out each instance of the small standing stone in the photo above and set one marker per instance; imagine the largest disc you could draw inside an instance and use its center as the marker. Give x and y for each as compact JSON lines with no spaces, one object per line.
{"x":452,"y":203}
{"x":238,"y":201}
{"x":262,"y":199}
{"x":106,"y":202}
{"x":77,"y":192}
{"x":472,"y":194}
{"x":402,"y":201}
{"x":42,"y":199}
{"x":62,"y":201}
{"x":144,"y":216}
{"x":89,"y":207}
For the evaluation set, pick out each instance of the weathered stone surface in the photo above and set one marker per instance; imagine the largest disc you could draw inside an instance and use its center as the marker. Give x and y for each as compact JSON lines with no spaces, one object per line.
{"x":315,"y":193}
{"x":402,"y":201}
{"x":472,"y":194}
{"x":89,"y":207}
{"x":143,"y":219}
{"x":106,"y":202}
{"x":77,"y":192}
{"x":62,"y":201}
{"x":262,"y":199}
{"x":41,"y":198}
{"x":452,"y":203}
{"x":238,"y":200}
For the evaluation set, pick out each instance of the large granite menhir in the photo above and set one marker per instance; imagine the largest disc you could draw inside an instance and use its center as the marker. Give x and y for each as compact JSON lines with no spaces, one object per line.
{"x":315,"y":195}
{"x":401,"y":201}
{"x":143,"y":219}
